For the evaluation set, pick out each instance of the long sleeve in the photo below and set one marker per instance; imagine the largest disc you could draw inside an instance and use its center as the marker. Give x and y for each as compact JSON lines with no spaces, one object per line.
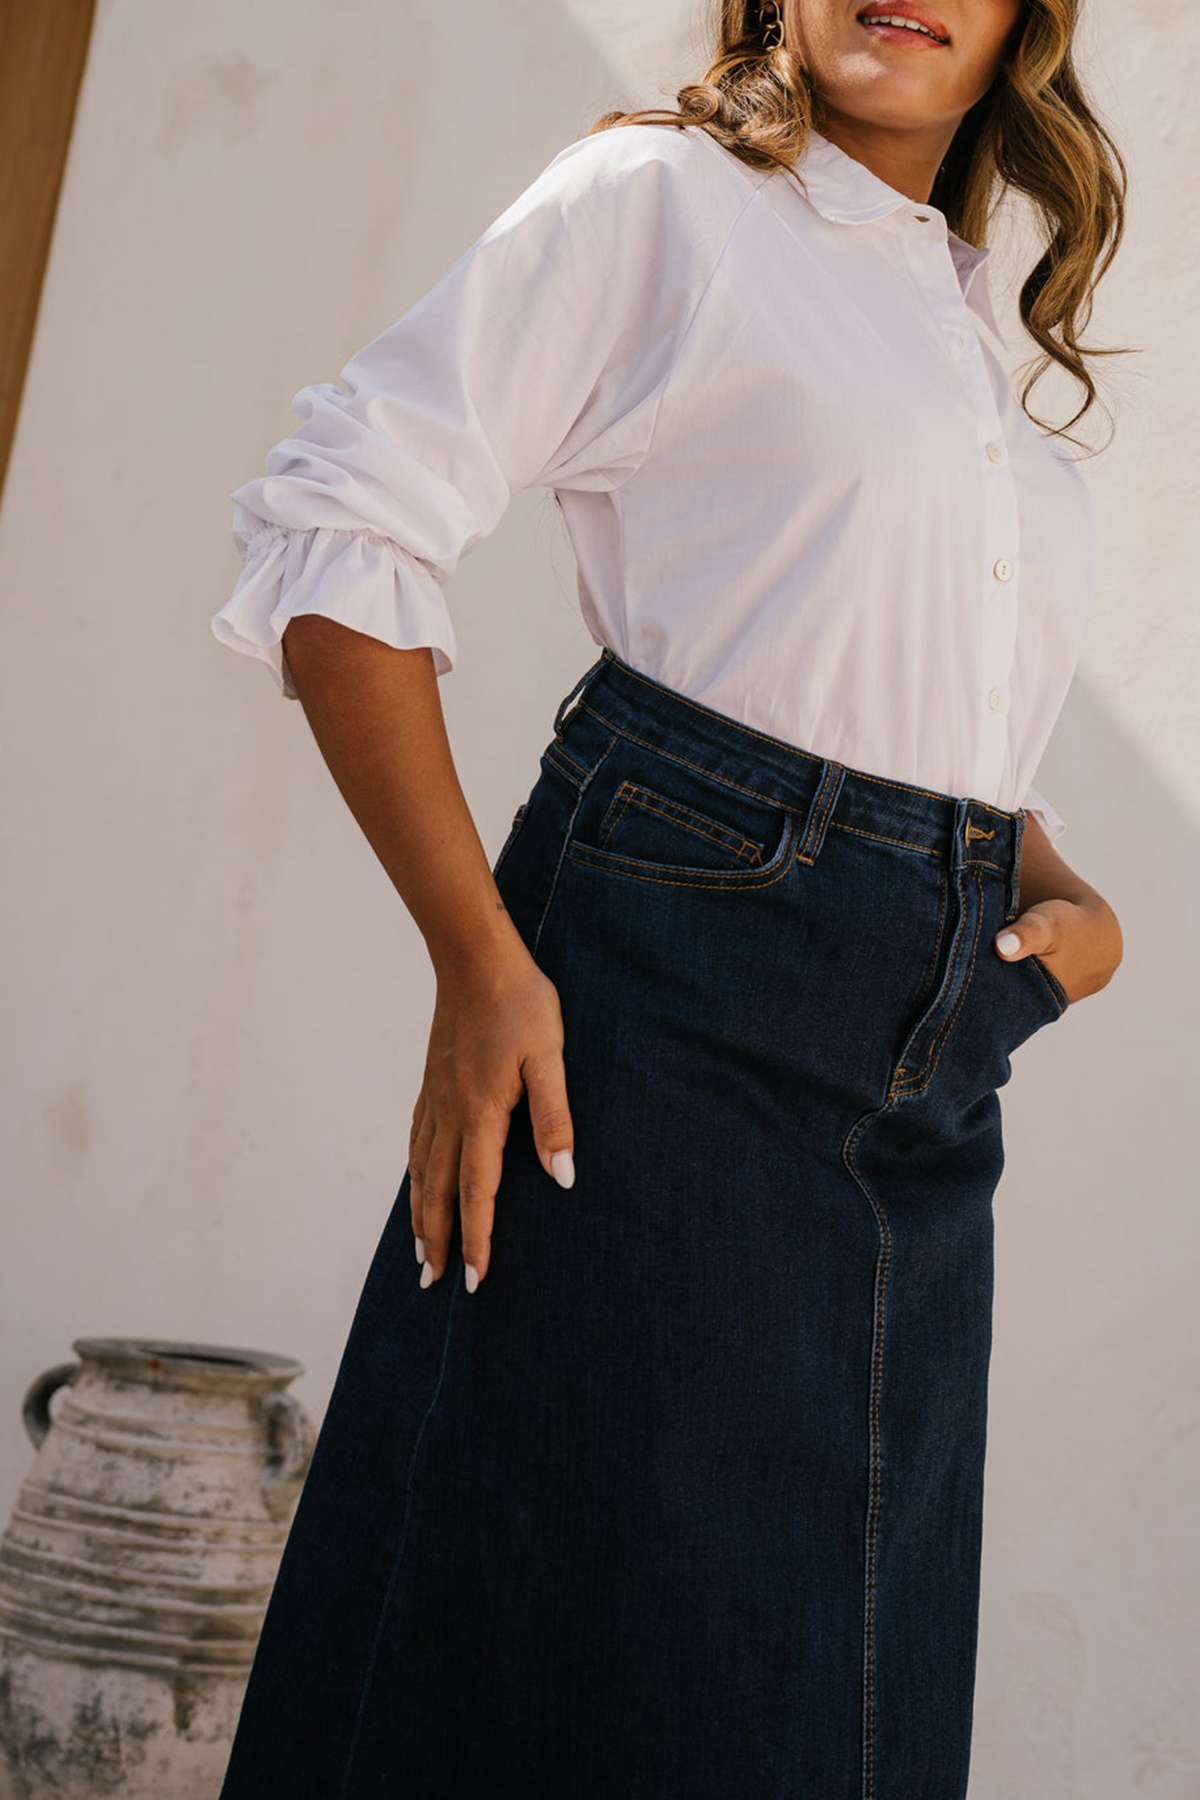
{"x":1051,"y":822}
{"x":539,"y":358}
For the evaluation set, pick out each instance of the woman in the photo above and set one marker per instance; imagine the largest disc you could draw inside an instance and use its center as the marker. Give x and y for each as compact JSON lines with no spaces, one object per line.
{"x":671,"y":1484}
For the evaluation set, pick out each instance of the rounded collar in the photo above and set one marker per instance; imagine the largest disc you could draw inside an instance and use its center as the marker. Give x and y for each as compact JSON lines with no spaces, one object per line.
{"x":846,"y":191}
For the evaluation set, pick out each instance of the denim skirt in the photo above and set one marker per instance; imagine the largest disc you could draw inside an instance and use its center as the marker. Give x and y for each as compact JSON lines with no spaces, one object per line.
{"x":685,"y":1501}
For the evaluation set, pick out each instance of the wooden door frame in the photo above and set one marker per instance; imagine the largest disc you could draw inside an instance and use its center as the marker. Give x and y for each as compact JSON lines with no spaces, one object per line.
{"x":43,"y":52}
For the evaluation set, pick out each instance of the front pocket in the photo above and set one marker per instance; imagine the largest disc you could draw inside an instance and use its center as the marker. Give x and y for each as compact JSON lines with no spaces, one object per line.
{"x":734,"y":844}
{"x":1048,"y":984}
{"x":651,"y":815}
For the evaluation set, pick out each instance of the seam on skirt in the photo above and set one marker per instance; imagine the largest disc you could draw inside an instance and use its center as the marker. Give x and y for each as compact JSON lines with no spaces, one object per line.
{"x":369,"y":1673}
{"x":875,"y":1447}
{"x":934,"y":1056}
{"x":590,"y":777}
{"x":931,"y":966}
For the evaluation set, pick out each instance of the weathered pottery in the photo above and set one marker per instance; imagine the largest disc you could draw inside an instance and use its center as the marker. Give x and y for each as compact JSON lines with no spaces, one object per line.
{"x":137,"y":1565}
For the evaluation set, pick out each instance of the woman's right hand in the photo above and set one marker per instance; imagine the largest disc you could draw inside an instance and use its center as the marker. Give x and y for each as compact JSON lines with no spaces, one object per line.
{"x":376,"y":714}
{"x":497,"y":1032}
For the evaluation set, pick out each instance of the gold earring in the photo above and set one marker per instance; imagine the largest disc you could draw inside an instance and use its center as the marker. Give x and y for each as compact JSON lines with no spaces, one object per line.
{"x":769,"y":19}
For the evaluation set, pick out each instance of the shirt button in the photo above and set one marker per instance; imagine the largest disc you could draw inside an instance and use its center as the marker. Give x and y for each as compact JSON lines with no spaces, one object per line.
{"x":995,"y":452}
{"x":1002,"y":569}
{"x":996,"y":699}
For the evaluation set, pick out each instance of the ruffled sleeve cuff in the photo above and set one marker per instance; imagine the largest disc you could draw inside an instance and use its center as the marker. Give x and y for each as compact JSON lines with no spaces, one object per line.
{"x":360,"y":578}
{"x":1051,"y":822}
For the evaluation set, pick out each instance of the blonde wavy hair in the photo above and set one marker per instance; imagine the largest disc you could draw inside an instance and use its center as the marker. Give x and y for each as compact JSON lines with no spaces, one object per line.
{"x":1033,"y":132}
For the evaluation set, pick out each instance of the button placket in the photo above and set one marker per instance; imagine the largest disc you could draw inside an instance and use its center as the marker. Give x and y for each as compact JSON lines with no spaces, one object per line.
{"x":934,"y":271}
{"x":1000,"y":582}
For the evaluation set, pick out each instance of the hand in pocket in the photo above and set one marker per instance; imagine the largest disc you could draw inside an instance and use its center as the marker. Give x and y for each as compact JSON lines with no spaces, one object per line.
{"x":1078,"y":942}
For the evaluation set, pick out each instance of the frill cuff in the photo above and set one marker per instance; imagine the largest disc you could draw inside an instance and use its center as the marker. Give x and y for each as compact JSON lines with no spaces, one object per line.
{"x":360,"y":578}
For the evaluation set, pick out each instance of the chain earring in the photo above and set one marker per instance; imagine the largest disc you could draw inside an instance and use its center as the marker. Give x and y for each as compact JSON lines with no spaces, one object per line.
{"x":771,"y":22}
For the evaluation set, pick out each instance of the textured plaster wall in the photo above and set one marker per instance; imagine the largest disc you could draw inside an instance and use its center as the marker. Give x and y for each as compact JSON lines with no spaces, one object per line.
{"x":216,"y":1006}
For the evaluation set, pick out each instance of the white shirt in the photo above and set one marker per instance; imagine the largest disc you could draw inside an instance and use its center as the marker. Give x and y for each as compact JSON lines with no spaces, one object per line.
{"x":797,"y":483}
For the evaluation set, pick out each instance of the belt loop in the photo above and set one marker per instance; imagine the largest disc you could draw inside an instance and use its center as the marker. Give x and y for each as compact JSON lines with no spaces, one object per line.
{"x":833,"y":774}
{"x":1014,"y":879}
{"x":962,"y":817}
{"x":569,"y":701}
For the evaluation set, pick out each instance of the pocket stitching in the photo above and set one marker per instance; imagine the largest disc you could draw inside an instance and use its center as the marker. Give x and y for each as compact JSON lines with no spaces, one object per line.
{"x":1055,"y":987}
{"x":566,"y":765}
{"x":676,"y":813}
{"x":616,"y":808}
{"x":613,"y":863}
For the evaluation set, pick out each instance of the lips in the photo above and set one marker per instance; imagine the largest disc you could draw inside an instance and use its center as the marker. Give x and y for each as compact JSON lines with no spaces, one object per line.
{"x":910,"y":10}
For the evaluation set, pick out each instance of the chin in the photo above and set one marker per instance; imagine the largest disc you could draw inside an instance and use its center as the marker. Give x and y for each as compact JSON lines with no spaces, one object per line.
{"x":897,"y":118}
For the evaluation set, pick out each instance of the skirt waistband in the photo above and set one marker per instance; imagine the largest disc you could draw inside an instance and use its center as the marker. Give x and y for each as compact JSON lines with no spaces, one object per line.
{"x":959,"y":830}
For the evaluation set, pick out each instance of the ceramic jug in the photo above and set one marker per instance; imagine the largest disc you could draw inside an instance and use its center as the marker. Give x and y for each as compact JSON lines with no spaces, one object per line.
{"x":137,"y":1565}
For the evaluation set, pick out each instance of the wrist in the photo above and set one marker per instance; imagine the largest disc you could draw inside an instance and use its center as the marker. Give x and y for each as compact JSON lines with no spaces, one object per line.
{"x":476,"y":948}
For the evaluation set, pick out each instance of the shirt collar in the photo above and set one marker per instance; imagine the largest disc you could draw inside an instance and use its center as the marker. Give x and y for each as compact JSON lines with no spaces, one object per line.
{"x":846,"y":191}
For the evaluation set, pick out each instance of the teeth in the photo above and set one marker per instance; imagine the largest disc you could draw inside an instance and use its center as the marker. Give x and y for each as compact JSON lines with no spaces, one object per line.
{"x":908,"y":24}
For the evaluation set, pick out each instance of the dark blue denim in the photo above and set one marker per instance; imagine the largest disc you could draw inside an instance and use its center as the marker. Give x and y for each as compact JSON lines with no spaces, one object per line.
{"x":685,"y":1502}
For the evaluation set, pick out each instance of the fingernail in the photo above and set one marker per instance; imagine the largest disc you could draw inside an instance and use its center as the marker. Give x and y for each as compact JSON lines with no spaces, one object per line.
{"x":562,"y":1165}
{"x":472,"y":1278}
{"x":427,"y":1275}
{"x":420,"y":1243}
{"x":1007,"y":943}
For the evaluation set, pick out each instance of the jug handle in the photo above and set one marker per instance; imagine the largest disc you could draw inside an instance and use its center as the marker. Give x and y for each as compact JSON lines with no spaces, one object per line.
{"x":289,"y":1427}
{"x":35,"y":1409}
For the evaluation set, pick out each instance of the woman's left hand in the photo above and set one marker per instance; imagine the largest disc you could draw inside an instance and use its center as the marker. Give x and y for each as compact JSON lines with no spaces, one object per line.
{"x":1079,"y":941}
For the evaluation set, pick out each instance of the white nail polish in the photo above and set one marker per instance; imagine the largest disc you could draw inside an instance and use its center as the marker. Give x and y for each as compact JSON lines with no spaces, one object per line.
{"x":562,"y":1165}
{"x":420,"y":1243}
{"x":472,"y":1278}
{"x":1007,"y":942}
{"x":426,"y":1275}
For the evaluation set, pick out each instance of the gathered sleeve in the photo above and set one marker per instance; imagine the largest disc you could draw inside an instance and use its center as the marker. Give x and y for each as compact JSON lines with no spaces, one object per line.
{"x":538,"y":359}
{"x":1051,"y":822}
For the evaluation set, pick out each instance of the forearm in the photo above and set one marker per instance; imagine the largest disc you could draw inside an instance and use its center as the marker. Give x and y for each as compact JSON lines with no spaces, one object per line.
{"x":376,"y":714}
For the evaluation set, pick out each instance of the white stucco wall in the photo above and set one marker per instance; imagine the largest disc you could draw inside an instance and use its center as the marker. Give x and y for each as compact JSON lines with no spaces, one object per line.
{"x":217,"y":1008}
